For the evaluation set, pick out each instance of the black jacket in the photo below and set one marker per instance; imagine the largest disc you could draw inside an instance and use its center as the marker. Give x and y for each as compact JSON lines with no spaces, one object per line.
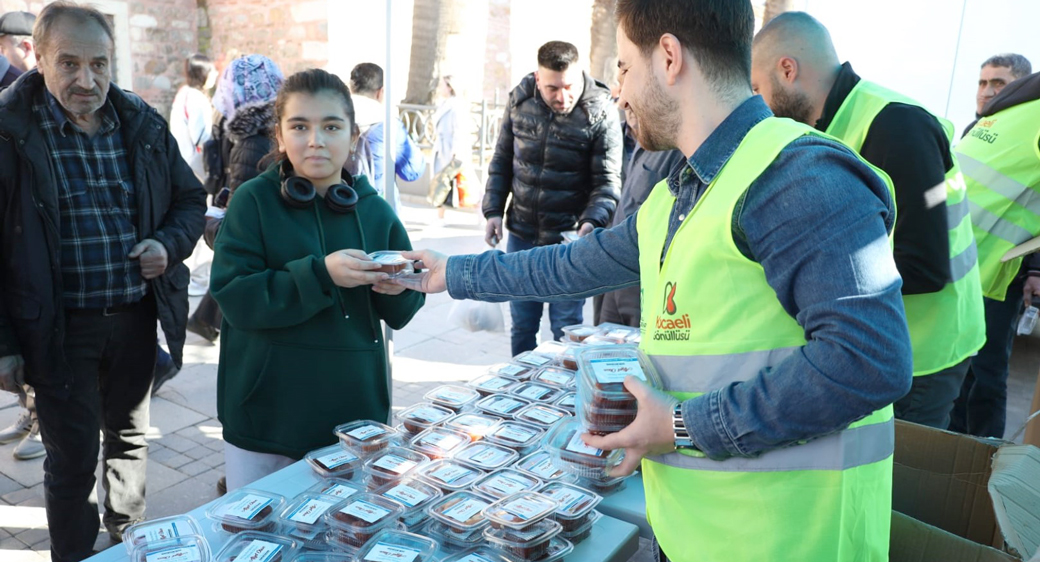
{"x":562,"y":170}
{"x":170,"y":205}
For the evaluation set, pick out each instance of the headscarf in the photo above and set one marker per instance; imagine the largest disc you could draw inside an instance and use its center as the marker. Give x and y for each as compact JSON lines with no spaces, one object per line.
{"x":248,"y":80}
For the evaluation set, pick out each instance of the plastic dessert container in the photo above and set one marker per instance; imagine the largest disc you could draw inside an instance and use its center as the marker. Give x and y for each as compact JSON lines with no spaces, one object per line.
{"x":541,"y":415}
{"x":253,"y":546}
{"x":183,"y":548}
{"x":501,"y":405}
{"x":461,"y":511}
{"x":566,"y":402}
{"x":478,"y":554}
{"x":536,"y":392}
{"x":397,"y":546}
{"x":392,"y":263}
{"x":532,"y":359}
{"x":527,"y":545}
{"x":584,"y":531}
{"x":453,"y":397}
{"x":569,"y":452}
{"x":540,"y":465}
{"x":574,"y":504}
{"x":365,"y":436}
{"x":246,"y":509}
{"x":422,"y":416}
{"x":391,"y":465}
{"x":556,"y":377}
{"x":354,"y":521}
{"x":486,"y":456}
{"x":304,"y":518}
{"x":452,"y":541}
{"x":550,"y":348}
{"x":514,"y":370}
{"x":414,"y":495}
{"x":578,"y":332}
{"x":520,"y":511}
{"x":334,"y":461}
{"x":519,"y":436}
{"x":603,"y":403}
{"x":159,"y":530}
{"x":336,"y":487}
{"x":449,"y":475}
{"x":506,"y":482}
{"x":491,"y":383}
{"x":439,"y":442}
{"x":603,"y":485}
{"x":473,"y":425}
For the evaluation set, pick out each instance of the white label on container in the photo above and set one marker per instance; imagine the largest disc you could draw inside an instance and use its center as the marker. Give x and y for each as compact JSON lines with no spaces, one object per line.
{"x":162,"y":531}
{"x":503,"y":405}
{"x":556,"y":377}
{"x":505,"y":485}
{"x":248,"y":507}
{"x":524,"y":508}
{"x":189,"y":553}
{"x":568,"y":401}
{"x":382,"y":552}
{"x":450,"y":473}
{"x":340,"y":491}
{"x":488,"y":456}
{"x":615,"y":370}
{"x":547,"y":417}
{"x":259,"y":551}
{"x":576,"y":445}
{"x":443,"y":441}
{"x":473,"y":558}
{"x":310,"y":511}
{"x":566,"y":497}
{"x":453,"y":396}
{"x":307,"y":535}
{"x":544,"y":469}
{"x":534,"y":392}
{"x":339,"y":458}
{"x":426,"y":415}
{"x":511,"y":370}
{"x":534,"y":359}
{"x":513,"y":433}
{"x":366,"y":432}
{"x":395,"y":464}
{"x":407,"y":495}
{"x":366,"y":511}
{"x":465,"y":510}
{"x":496,"y":383}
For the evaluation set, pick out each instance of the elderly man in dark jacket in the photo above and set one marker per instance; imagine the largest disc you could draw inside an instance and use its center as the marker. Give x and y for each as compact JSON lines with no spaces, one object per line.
{"x":97,"y":211}
{"x":559,"y":155}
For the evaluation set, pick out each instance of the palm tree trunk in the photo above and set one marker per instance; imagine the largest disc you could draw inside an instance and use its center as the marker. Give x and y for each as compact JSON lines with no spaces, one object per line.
{"x":448,"y":37}
{"x":775,"y":8}
{"x":603,"y":46}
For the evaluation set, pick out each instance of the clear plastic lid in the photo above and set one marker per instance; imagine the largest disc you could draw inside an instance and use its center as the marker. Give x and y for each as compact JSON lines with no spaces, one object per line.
{"x":397,"y":546}
{"x":365,"y":436}
{"x":486,"y":456}
{"x":578,"y":332}
{"x":618,"y":332}
{"x":514,"y":434}
{"x":541,"y":415}
{"x":334,"y":461}
{"x":520,"y":510}
{"x":392,"y":464}
{"x":453,"y":397}
{"x":536,"y":392}
{"x":246,"y":509}
{"x":550,"y":348}
{"x":449,"y":474}
{"x":335,"y":487}
{"x":461,"y":511}
{"x":392,"y":263}
{"x":304,"y":518}
{"x":540,"y":465}
{"x":514,"y":370}
{"x":411,"y":492}
{"x":603,"y":370}
{"x":314,"y":556}
{"x":573,"y":501}
{"x":422,"y":416}
{"x":365,"y":512}
{"x":501,"y":405}
{"x":453,"y":538}
{"x":555,"y":377}
{"x":570,"y":453}
{"x":532,"y":359}
{"x":568,"y":359}
{"x":599,"y":420}
{"x":182,"y":548}
{"x":558,"y":548}
{"x":252,"y":546}
{"x":473,"y":425}
{"x":478,"y":554}
{"x":159,"y":530}
{"x":439,"y":442}
{"x":566,"y":401}
{"x":603,"y":485}
{"x":598,"y":340}
{"x":491,"y":383}
{"x":506,"y":482}
{"x":531,"y":543}
{"x":576,"y":530}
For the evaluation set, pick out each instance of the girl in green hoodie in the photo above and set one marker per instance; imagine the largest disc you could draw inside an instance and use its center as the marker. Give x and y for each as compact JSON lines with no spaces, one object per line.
{"x":301,"y":349}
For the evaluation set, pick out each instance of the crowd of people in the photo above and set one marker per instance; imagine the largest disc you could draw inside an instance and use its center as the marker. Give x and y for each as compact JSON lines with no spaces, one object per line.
{"x":835,"y":245}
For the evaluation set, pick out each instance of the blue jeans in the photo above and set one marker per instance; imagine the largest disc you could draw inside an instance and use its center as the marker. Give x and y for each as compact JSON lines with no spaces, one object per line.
{"x":527,"y":315}
{"x":932,"y":396}
{"x":981,"y":409}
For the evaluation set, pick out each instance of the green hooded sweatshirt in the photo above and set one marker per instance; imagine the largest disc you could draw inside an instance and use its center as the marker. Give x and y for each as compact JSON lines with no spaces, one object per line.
{"x":299,"y":355}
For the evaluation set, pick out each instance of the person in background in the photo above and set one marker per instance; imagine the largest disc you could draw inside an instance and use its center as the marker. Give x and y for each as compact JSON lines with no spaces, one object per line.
{"x":999,"y":71}
{"x":191,"y":116}
{"x":89,"y":270}
{"x":17,"y":51}
{"x":642,"y":171}
{"x":1000,"y":156}
{"x":366,"y":84}
{"x":453,"y":145}
{"x":559,"y":155}
{"x":244,"y":98}
{"x":296,"y":240}
{"x":797,"y":71}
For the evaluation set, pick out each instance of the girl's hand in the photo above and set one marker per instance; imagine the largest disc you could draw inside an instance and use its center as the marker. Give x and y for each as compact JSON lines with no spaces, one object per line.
{"x":353,"y":268}
{"x":387,"y":288}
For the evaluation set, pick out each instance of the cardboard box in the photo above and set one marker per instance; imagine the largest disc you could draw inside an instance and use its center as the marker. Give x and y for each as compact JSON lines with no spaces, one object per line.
{"x":965,"y":498}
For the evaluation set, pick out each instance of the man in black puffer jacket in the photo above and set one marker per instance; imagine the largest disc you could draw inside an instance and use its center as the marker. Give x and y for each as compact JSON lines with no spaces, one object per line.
{"x":559,"y":154}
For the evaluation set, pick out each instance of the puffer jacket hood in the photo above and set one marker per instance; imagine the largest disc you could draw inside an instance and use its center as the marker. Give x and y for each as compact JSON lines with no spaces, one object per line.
{"x":251,"y":120}
{"x":561,"y":169}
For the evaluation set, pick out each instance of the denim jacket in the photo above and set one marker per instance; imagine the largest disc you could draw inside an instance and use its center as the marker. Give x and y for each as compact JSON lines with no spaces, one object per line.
{"x":817,"y":220}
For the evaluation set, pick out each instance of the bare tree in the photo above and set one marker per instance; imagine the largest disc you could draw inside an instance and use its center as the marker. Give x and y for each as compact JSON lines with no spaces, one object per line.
{"x":603,"y":47}
{"x":775,"y":8}
{"x":446,"y":36}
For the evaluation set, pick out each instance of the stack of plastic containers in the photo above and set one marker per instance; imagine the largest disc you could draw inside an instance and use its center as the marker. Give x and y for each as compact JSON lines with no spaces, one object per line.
{"x":334,"y":461}
{"x":397,"y":546}
{"x":414,"y":495}
{"x":246,"y":509}
{"x":167,"y":539}
{"x":422,"y":416}
{"x":304,"y":519}
{"x":604,"y":405}
{"x":575,"y":511}
{"x":254,"y":546}
{"x":519,"y":436}
{"x":455,"y":398}
{"x":458,"y":521}
{"x":391,"y":465}
{"x":358,"y":518}
{"x":521,"y":525}
{"x":365,"y":436}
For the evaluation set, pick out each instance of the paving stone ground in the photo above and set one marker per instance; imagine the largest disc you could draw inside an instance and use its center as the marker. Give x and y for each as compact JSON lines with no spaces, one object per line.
{"x":185,"y":446}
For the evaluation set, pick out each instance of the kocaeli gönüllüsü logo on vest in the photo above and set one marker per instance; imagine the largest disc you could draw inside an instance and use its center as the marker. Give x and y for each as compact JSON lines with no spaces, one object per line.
{"x":668,"y":327}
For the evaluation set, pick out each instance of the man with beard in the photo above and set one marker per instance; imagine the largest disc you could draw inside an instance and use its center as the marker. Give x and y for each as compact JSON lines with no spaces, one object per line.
{"x":772,"y":306}
{"x":796,"y":70}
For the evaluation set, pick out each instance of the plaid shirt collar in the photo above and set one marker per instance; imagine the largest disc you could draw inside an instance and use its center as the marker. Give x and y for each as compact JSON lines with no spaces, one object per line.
{"x":109,"y":117}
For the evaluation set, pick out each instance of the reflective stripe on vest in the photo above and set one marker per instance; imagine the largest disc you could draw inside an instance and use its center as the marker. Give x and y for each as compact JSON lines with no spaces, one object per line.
{"x":948,"y":326}
{"x":794,"y":503}
{"x":1000,"y":159}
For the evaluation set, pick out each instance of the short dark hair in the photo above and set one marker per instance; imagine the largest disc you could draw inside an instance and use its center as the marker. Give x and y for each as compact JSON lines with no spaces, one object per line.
{"x":717,"y":32}
{"x":65,"y":9}
{"x":196,"y":69}
{"x":557,"y":55}
{"x":366,"y":78}
{"x":1018,"y":64}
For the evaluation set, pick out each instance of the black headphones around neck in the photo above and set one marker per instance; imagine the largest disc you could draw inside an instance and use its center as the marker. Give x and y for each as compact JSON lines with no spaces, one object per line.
{"x":299,"y":193}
